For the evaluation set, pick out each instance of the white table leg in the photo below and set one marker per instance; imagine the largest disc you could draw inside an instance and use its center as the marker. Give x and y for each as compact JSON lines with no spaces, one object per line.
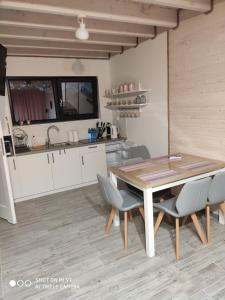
{"x":116,"y":219}
{"x":149,"y":223}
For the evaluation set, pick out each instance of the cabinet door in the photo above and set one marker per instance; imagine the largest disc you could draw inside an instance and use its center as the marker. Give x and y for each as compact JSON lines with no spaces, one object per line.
{"x":66,"y":168}
{"x":15,"y":177}
{"x":7,"y":210}
{"x":93,"y":160}
{"x":33,"y":172}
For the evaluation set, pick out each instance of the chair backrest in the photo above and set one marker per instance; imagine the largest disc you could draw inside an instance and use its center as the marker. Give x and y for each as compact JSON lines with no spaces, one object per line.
{"x":110,"y":192}
{"x":217,"y":189}
{"x":193,"y":196}
{"x":139,"y":151}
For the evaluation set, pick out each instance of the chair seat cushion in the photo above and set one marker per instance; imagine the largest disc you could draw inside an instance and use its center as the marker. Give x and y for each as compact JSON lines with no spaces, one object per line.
{"x":168,"y":206}
{"x":131,"y":200}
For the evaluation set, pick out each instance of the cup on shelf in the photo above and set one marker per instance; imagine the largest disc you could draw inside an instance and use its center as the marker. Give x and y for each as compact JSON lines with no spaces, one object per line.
{"x":113,"y":91}
{"x":125,"y":87}
{"x":131,"y":86}
{"x":138,"y":100}
{"x":139,"y":86}
{"x":121,"y":88}
{"x":143,"y":99}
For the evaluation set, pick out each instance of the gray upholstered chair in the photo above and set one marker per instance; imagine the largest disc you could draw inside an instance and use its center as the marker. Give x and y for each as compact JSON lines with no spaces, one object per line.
{"x":191,"y":199}
{"x":139,"y":151}
{"x":216,"y":197}
{"x":132,"y":161}
{"x":122,"y":200}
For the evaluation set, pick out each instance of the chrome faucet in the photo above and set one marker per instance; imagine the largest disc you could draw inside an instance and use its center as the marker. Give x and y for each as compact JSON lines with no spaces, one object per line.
{"x":48,"y":131}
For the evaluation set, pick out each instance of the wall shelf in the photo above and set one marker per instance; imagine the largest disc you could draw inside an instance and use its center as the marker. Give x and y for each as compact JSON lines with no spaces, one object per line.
{"x":126,"y":107}
{"x":127,"y":94}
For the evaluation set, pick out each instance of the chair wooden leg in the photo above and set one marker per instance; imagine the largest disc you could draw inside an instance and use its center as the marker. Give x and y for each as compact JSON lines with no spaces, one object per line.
{"x":177,"y":239}
{"x":130,"y":215}
{"x":158,"y":221}
{"x":125,"y":230}
{"x":208,"y":223}
{"x":109,"y":223}
{"x":142,"y":212}
{"x":222,"y":207}
{"x":199,"y":229}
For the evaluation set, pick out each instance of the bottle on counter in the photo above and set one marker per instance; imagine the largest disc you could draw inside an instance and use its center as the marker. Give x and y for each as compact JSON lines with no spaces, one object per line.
{"x":89,"y":134}
{"x":34,"y":141}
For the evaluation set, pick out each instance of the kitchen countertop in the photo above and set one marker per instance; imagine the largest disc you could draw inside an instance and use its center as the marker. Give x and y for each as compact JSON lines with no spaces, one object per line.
{"x":81,"y":143}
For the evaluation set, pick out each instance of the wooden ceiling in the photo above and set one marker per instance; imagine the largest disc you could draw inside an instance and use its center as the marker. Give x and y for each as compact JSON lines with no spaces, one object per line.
{"x":47,"y":27}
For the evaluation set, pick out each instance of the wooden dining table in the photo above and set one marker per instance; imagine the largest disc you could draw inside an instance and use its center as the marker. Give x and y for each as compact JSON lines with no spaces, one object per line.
{"x":161,"y":173}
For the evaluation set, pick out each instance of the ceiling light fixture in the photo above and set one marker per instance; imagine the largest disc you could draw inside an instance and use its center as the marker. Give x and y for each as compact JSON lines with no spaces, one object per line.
{"x":82,"y":32}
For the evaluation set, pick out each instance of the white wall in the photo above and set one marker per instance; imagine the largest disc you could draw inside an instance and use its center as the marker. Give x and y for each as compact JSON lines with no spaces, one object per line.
{"x":148,"y":64}
{"x":30,"y":66}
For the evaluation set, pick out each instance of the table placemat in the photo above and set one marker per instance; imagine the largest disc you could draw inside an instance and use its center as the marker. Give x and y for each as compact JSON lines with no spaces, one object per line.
{"x":157,"y":175}
{"x":136,"y":166}
{"x":197,"y":165}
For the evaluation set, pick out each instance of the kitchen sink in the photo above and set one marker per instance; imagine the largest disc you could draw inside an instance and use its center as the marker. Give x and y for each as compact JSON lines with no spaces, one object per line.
{"x":57,"y":145}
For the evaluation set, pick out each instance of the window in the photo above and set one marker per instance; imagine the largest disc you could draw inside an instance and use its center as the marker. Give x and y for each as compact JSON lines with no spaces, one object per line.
{"x":40,"y":100}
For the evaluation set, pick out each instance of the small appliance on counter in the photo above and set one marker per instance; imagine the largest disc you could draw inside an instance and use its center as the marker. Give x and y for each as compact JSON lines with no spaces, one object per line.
{"x":114,"y":132}
{"x":20,"y":140}
{"x":8,"y":145}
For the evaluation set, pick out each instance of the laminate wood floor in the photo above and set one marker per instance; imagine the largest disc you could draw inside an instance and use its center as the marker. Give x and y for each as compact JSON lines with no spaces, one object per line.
{"x":61,"y":237}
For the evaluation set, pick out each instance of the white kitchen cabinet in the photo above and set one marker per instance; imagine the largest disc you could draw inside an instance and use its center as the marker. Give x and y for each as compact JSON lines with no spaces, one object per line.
{"x":48,"y":172}
{"x":93,"y":159}
{"x":66,"y":167}
{"x":31,"y":174}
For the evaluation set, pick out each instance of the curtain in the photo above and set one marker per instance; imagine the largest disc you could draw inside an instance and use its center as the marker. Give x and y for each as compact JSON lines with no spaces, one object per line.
{"x":29,"y":104}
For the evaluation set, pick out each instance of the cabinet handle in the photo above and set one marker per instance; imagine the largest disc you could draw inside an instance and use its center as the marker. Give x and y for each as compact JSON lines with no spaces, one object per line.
{"x":48,"y":158}
{"x":3,"y":151}
{"x":53,"y":159}
{"x":92,"y":147}
{"x":82,"y":160}
{"x":14,"y":164}
{"x":64,"y":151}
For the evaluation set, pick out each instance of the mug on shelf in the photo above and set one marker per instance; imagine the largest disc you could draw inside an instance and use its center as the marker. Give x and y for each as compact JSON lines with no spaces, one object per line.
{"x":131,"y":86}
{"x":125,"y":87}
{"x":121,"y":89}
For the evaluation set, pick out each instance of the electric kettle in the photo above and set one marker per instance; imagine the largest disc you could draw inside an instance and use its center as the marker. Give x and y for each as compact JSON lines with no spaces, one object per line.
{"x":114,"y":132}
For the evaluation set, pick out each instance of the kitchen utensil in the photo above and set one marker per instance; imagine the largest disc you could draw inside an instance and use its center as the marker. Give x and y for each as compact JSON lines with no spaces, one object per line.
{"x":100,"y":129}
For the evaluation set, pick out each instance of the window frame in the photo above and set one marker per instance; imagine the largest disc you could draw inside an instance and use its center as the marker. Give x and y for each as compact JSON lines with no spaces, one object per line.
{"x":56,"y":80}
